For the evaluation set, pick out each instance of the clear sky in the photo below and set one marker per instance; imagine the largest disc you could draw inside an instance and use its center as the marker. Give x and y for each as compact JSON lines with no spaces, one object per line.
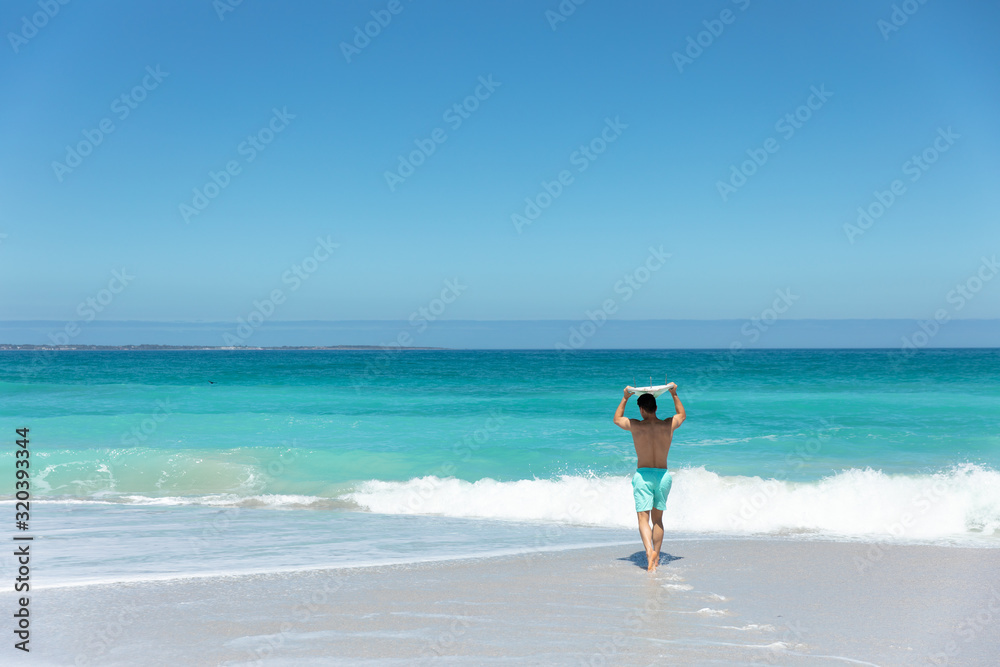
{"x":200,"y":90}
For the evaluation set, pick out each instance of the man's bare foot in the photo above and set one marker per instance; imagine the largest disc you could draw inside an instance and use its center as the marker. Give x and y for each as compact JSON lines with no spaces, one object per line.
{"x":652,"y":560}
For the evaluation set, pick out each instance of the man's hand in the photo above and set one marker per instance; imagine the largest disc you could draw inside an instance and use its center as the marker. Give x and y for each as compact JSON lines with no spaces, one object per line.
{"x":680,"y":415}
{"x":620,"y":419}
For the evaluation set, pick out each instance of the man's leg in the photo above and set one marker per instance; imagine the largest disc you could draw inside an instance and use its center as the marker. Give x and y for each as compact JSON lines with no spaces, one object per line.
{"x":657,"y":517}
{"x":647,"y":537}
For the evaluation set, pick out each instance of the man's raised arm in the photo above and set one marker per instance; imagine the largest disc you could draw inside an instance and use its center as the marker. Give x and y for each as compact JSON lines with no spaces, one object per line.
{"x":678,"y":408}
{"x":620,"y":419}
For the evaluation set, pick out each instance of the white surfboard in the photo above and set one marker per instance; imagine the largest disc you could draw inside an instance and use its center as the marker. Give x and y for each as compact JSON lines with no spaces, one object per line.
{"x":655,"y":391}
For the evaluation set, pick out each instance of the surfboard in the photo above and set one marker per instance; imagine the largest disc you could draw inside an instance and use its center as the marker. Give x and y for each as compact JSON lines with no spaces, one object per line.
{"x":655,"y":391}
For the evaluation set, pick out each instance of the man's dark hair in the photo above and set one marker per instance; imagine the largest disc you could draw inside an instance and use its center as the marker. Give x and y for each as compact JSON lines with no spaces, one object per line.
{"x":646,"y":402}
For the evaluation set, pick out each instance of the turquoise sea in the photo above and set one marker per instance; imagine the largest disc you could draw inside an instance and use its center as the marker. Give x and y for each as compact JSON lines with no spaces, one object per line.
{"x":839,"y":444}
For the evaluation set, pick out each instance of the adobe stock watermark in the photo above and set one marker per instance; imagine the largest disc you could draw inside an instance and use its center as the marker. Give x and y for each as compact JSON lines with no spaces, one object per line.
{"x":562,"y":12}
{"x":899,"y":17}
{"x":627,"y":287}
{"x":471,"y":442}
{"x":454,"y":116}
{"x":101,"y":641}
{"x":752,"y":330}
{"x":445,"y":641}
{"x":581,"y":158}
{"x":549,"y":534}
{"x":464,"y":448}
{"x":249,"y":149}
{"x":776,"y":650}
{"x":92,"y":306}
{"x":294,"y":277}
{"x":88,"y":310}
{"x":914,"y":168}
{"x":758,"y":325}
{"x":435,"y":307}
{"x":381,"y":18}
{"x":223,"y":7}
{"x":786,"y":126}
{"x":920,"y":505}
{"x":122,"y":107}
{"x":205,"y":536}
{"x":610,"y":650}
{"x":714,"y":28}
{"x":420,"y":319}
{"x":148,"y":426}
{"x":30,"y":26}
{"x":958,"y":298}
{"x":316,"y":601}
{"x":803,"y":452}
{"x":971,"y":627}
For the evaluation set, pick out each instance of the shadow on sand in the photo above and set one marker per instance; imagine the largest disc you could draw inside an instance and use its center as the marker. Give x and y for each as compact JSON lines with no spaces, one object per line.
{"x":639,"y":559}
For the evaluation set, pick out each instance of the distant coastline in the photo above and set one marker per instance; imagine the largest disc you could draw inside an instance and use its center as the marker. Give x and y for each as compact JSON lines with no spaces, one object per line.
{"x":159,"y":348}
{"x":566,"y":335}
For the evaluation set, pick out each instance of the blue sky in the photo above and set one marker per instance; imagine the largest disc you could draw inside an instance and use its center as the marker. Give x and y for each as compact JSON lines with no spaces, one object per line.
{"x":676,"y":136}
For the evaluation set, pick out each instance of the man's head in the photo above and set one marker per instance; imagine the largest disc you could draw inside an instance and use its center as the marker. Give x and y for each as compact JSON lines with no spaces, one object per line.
{"x":647,"y":404}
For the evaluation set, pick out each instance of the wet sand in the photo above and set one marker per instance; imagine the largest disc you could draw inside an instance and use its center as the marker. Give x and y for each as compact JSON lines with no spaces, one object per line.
{"x":721,"y":601}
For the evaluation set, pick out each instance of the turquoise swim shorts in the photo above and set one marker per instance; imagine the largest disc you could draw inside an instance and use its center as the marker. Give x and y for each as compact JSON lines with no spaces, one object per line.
{"x":651,"y":486}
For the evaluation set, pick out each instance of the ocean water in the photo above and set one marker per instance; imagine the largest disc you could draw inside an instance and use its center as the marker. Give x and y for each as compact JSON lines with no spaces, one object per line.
{"x":161,"y":447}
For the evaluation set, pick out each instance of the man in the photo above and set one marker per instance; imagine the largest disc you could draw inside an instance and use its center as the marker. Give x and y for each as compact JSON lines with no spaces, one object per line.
{"x":651,"y":482}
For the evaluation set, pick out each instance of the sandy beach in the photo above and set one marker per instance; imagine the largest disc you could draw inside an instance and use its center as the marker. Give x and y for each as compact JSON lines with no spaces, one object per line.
{"x":712,"y":601}
{"x":369,"y":333}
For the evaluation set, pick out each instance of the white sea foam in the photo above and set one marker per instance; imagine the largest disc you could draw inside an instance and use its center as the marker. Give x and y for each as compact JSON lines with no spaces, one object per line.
{"x":751,"y":627}
{"x":707,"y":611}
{"x":266,"y":500}
{"x":229,"y":500}
{"x":961,"y":502}
{"x":950,"y":506}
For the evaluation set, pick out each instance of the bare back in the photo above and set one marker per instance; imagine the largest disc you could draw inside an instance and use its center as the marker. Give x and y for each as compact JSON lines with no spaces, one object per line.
{"x":652,"y":438}
{"x":650,"y":435}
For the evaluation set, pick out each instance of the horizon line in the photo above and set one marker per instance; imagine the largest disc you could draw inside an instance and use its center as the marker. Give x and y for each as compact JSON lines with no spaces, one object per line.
{"x":577,"y":319}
